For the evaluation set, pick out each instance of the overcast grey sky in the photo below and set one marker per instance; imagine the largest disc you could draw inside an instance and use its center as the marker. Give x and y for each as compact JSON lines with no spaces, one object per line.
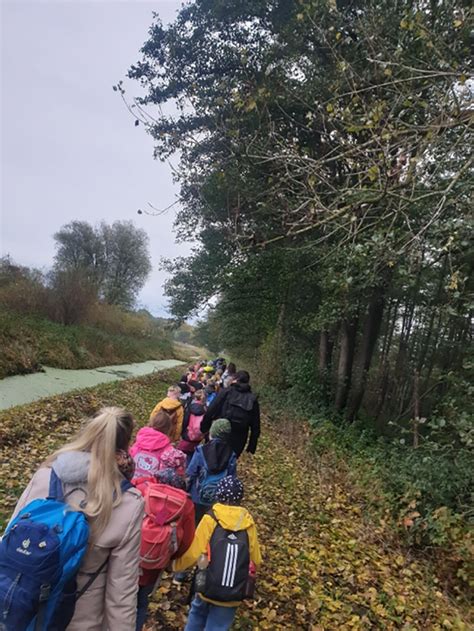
{"x":69,"y":147}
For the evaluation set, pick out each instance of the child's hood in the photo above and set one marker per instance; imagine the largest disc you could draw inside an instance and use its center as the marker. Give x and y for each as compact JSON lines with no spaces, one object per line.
{"x":197,"y":408}
{"x":150,"y":439}
{"x":72,"y":467}
{"x":217,"y":454}
{"x":170,"y":404}
{"x":233,"y":517}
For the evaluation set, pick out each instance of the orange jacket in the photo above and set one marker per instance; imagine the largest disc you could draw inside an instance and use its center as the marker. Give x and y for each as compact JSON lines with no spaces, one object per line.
{"x":172,"y":406}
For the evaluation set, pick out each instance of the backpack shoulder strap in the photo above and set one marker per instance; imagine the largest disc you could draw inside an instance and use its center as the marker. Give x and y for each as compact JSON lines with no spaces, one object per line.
{"x":125,"y":485}
{"x":56,"y":491}
{"x":212,"y":514}
{"x":91,"y":579}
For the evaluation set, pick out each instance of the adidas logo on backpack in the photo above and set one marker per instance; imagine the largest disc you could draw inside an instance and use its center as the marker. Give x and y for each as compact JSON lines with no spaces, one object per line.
{"x":228,"y":569}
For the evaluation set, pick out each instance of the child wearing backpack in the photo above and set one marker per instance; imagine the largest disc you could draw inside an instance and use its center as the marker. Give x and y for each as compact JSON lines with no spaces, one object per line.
{"x":226,"y":544}
{"x":167,"y":531}
{"x":152,"y":449}
{"x":191,"y":435}
{"x":210,"y":463}
{"x":171,"y":404}
{"x":211,"y":393}
{"x":69,"y":557}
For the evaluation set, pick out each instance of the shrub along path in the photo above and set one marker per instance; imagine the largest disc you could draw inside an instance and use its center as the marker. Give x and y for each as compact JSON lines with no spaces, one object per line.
{"x":326,"y":566}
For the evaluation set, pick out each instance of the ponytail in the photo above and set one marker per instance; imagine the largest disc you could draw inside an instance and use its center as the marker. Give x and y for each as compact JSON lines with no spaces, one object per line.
{"x":108,"y":431}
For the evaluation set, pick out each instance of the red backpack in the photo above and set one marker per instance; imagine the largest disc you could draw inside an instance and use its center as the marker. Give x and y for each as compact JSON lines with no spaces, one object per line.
{"x":162,"y":530}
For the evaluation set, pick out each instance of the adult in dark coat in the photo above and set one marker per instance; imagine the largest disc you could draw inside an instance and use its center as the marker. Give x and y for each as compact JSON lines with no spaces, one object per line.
{"x":238,"y":404}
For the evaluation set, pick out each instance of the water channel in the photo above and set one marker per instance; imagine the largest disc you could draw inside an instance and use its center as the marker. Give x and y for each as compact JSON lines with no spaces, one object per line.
{"x":22,"y":389}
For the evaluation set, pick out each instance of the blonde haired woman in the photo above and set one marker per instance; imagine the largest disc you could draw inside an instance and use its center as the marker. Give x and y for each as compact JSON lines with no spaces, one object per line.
{"x":91,"y":469}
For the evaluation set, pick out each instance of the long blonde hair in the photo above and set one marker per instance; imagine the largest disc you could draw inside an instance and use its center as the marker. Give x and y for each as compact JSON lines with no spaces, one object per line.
{"x":105,"y":433}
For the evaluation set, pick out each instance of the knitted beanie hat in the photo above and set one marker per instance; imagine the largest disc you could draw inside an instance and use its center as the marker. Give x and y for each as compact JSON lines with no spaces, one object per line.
{"x":230,"y":490}
{"x":171,"y":478}
{"x":220,"y":428}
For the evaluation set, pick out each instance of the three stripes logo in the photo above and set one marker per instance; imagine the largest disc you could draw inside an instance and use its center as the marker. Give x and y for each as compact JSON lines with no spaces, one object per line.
{"x":230,"y":565}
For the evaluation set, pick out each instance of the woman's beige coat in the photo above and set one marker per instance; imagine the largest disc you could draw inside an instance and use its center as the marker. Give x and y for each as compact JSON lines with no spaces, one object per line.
{"x":110,"y":603}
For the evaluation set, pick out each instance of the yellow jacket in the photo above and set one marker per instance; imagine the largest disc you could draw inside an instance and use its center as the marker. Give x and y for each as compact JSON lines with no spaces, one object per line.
{"x":171,"y":406}
{"x":229,"y":517}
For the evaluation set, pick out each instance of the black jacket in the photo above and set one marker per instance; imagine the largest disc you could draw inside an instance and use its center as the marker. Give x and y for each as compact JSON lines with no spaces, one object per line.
{"x":240,"y":406}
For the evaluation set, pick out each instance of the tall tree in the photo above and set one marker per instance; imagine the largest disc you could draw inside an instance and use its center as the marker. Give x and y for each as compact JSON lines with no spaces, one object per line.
{"x":331,"y":138}
{"x":115,"y":258}
{"x":80,"y":246}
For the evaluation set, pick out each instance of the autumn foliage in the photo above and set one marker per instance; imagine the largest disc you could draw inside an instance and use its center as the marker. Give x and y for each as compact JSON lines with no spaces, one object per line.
{"x":328,"y":564}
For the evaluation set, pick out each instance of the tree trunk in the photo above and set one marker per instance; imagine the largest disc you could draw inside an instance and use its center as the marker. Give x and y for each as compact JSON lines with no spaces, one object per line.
{"x":432,"y":308}
{"x":346,"y":359}
{"x":326,"y":346}
{"x":384,"y":372}
{"x":369,"y":338}
{"x":424,"y":346}
{"x":432,"y":361}
{"x":325,"y":350}
{"x":416,"y":410}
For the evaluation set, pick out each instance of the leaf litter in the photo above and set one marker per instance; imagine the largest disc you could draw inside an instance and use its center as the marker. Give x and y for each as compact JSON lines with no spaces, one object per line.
{"x":326,"y":566}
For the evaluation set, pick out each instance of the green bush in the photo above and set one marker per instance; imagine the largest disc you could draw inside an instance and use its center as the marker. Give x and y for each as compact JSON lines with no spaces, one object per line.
{"x":428,"y":491}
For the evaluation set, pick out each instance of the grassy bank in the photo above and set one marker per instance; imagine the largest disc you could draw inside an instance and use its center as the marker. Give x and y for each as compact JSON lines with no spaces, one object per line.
{"x":29,"y":433}
{"x":28,"y":342}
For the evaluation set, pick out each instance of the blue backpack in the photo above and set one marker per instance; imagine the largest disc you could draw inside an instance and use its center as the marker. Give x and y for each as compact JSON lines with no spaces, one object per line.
{"x":40,"y":555}
{"x":208,"y":484}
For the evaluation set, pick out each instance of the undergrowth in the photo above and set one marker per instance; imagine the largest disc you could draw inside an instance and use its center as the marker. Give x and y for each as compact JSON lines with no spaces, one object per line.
{"x":424,"y":493}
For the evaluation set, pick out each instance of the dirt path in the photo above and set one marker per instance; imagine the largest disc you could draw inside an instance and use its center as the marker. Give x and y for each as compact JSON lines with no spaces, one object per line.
{"x":326,"y":568}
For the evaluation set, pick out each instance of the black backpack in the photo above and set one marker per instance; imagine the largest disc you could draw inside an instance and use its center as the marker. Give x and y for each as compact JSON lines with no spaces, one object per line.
{"x":228,"y":569}
{"x":238,"y":407}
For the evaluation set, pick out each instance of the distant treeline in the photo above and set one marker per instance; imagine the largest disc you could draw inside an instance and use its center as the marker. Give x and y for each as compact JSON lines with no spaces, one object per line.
{"x":80,"y":313}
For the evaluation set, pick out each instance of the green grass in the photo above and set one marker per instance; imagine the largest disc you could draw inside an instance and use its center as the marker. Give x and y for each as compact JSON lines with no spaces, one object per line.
{"x":28,"y":342}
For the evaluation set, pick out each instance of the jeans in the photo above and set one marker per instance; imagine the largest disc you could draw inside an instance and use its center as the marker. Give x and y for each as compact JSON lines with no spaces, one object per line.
{"x":144,"y":592}
{"x":206,"y":617}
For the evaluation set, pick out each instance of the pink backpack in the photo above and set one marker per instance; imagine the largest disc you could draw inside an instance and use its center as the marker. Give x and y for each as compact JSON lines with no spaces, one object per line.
{"x":194,"y":428}
{"x":148,"y":464}
{"x":162,"y":528}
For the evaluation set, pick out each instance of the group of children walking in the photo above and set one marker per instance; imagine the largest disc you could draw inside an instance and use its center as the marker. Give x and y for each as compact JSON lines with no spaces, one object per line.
{"x":101,"y":520}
